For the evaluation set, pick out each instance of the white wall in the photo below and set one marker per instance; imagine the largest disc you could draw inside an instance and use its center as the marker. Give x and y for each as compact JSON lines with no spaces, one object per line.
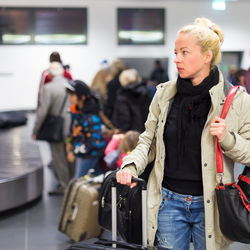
{"x":21,"y":66}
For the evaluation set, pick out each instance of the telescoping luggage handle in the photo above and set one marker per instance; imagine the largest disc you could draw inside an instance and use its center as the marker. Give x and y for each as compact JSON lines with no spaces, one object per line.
{"x":144,"y":210}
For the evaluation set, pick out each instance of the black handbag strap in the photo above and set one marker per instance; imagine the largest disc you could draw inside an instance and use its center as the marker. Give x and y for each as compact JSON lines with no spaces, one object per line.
{"x":63,"y":104}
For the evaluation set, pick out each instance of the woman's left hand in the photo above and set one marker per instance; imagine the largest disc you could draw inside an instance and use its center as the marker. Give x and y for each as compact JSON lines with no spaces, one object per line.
{"x":218,"y":127}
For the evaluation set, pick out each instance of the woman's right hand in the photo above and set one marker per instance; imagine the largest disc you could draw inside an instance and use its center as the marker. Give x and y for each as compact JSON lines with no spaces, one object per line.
{"x":124,"y":176}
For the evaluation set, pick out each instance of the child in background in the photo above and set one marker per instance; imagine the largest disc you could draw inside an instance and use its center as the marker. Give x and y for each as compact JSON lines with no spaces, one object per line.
{"x":119,"y":146}
{"x":85,"y":144}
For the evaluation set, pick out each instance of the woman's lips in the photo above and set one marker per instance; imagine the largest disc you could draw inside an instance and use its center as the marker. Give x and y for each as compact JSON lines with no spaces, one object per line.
{"x":180,"y":69}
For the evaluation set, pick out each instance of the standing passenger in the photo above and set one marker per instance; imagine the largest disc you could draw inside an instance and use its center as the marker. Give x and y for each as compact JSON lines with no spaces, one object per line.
{"x":85,"y":142}
{"x":132,"y":102}
{"x":46,"y":77}
{"x":180,"y":131}
{"x":52,"y":97}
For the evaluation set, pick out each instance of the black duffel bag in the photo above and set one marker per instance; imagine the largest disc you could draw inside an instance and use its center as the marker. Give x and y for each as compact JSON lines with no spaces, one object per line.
{"x":10,"y":119}
{"x":52,"y":127}
{"x":129,"y":215}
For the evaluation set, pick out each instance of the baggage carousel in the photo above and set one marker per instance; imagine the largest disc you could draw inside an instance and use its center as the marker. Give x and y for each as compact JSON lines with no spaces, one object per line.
{"x":21,"y":168}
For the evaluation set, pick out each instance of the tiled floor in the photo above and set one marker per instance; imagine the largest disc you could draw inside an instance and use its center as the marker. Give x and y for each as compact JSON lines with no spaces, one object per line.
{"x":34,"y":227}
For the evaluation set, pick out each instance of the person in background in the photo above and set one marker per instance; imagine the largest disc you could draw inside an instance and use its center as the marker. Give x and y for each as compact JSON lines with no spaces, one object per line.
{"x":117,"y":66}
{"x":231,"y":74}
{"x":85,"y":143}
{"x":132,"y":102}
{"x":52,"y":97}
{"x":46,"y":77}
{"x":240,"y":78}
{"x":159,"y":74}
{"x":179,"y":135}
{"x":247,"y":80}
{"x":98,"y":85}
{"x":119,"y":146}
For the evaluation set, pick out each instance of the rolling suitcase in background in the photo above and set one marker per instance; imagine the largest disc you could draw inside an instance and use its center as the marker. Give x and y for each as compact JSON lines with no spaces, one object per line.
{"x":114,"y":244}
{"x":79,"y":213}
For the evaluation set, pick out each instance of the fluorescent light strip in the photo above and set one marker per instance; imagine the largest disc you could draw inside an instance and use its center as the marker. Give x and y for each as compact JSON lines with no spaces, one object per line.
{"x":16,"y":39}
{"x":141,"y":36}
{"x":219,"y":4}
{"x":60,"y":38}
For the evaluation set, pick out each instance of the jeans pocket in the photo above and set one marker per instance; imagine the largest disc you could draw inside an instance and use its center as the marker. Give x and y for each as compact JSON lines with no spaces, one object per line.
{"x":163,"y":202}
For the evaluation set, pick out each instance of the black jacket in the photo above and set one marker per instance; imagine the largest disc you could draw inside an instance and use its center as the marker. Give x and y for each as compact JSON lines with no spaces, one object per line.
{"x":112,"y":88}
{"x":131,"y":107}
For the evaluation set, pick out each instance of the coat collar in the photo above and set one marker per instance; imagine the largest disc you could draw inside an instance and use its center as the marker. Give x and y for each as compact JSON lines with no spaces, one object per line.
{"x":169,"y":90}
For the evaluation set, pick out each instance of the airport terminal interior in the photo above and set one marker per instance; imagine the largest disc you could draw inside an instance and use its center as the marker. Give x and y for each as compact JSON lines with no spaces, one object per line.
{"x":95,"y":33}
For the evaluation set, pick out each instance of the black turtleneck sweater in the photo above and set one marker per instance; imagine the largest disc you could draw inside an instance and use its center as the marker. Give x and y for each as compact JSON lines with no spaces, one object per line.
{"x":182,"y":135}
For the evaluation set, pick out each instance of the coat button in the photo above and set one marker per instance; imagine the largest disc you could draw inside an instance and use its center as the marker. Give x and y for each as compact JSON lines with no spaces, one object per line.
{"x":209,"y":236}
{"x":208,"y":201}
{"x":205,"y":164}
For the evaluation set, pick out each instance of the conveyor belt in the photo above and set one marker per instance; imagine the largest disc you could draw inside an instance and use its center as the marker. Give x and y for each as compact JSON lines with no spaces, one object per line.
{"x":21,"y":170}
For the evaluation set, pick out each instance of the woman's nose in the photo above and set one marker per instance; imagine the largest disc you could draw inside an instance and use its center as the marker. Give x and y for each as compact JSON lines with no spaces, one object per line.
{"x":177,"y":58}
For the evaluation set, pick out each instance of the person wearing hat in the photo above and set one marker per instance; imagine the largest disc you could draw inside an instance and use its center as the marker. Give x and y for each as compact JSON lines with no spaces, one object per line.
{"x":85,"y":143}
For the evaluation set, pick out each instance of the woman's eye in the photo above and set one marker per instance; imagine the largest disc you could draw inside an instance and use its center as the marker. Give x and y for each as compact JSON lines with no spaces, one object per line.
{"x":184,"y":52}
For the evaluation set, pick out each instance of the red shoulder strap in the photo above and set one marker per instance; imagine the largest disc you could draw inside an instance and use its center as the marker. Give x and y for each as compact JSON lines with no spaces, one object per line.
{"x":225,"y":109}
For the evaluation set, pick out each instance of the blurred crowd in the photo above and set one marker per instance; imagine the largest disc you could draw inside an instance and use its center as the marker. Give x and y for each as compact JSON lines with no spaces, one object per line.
{"x":102,"y":120}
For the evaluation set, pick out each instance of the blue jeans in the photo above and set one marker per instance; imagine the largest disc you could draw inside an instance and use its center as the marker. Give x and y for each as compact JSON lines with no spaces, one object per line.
{"x":180,"y":217}
{"x":83,"y":165}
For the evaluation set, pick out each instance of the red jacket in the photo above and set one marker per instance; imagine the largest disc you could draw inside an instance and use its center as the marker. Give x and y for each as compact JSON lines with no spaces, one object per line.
{"x":46,"y":77}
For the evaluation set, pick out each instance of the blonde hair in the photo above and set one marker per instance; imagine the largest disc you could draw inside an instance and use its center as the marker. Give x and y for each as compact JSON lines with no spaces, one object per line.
{"x":129,"y":141}
{"x":116,"y":67}
{"x":99,"y":82}
{"x":129,"y":76}
{"x":209,"y":36}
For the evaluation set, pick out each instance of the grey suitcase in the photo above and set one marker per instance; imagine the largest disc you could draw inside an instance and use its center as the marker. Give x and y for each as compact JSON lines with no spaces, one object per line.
{"x":79,"y":212}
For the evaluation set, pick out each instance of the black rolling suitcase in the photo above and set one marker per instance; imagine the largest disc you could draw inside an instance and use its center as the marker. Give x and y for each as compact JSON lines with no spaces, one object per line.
{"x":95,"y":243}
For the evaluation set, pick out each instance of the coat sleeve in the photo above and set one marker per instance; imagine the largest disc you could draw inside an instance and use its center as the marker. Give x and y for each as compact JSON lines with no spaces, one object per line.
{"x":42,"y":110}
{"x":138,"y":159}
{"x":236,"y":145}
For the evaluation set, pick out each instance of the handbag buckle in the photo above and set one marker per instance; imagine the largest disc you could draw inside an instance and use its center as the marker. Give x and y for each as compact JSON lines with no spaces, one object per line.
{"x":220,"y":177}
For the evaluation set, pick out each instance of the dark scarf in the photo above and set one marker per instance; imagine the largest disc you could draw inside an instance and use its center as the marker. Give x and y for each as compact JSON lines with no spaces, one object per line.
{"x":194,"y":105}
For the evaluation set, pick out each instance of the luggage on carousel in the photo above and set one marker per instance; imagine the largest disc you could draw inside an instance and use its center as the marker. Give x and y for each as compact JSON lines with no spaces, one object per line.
{"x":79,"y":212}
{"x":114,"y":244}
{"x":11,"y":119}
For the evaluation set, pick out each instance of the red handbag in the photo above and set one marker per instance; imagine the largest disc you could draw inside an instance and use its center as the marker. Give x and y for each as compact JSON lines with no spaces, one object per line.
{"x":233,"y":203}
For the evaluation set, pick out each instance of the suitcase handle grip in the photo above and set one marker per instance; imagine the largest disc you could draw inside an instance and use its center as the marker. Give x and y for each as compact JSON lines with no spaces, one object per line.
{"x":141,"y":182}
{"x":134,"y":179}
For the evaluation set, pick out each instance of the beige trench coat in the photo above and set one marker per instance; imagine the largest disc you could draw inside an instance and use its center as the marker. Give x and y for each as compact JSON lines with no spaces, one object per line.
{"x":235,"y":146}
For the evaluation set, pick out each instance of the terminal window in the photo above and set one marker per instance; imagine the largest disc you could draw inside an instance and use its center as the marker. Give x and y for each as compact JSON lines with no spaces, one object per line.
{"x":43,"y":26}
{"x":141,"y":26}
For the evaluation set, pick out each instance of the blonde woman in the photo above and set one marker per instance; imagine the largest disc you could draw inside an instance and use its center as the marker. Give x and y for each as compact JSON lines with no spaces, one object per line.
{"x":179,"y":133}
